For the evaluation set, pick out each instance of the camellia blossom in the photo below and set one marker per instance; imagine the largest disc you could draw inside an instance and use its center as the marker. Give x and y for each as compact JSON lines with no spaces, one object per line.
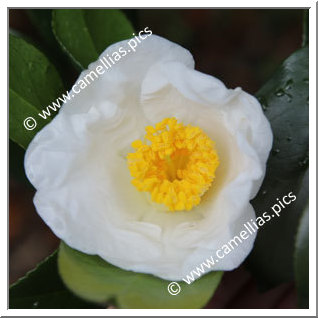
{"x":153,"y":166}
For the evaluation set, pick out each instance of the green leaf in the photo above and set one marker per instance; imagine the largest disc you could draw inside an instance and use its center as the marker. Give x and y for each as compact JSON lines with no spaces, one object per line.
{"x":285,"y":101}
{"x":34,"y":84}
{"x":85,"y":34}
{"x":41,"y":19}
{"x":93,"y":279}
{"x":302,"y":260}
{"x":305,"y":40}
{"x":43,"y":288}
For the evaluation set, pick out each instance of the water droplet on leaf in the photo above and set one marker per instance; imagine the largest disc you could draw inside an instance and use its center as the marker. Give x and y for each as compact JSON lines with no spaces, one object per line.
{"x":263,"y":102}
{"x":289,"y":84}
{"x":304,"y":162}
{"x":276,"y":151}
{"x":279,"y":93}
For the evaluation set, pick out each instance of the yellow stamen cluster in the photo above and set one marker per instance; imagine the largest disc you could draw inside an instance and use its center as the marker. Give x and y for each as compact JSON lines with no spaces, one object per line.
{"x":175,"y":163}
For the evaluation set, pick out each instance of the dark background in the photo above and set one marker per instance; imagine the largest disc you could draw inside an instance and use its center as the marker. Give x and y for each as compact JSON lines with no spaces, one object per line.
{"x":242,"y":47}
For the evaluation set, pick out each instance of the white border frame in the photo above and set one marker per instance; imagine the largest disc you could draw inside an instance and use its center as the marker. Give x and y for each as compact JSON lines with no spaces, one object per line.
{"x":312,"y":170}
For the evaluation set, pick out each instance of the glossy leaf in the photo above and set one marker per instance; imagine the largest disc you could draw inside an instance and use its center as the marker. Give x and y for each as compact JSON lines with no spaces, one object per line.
{"x":43,"y":288}
{"x":285,"y":102}
{"x":41,"y":19}
{"x":34,"y":84}
{"x":302,"y":260}
{"x":93,"y":279}
{"x":42,"y":22}
{"x":85,"y":34}
{"x":305,"y":40}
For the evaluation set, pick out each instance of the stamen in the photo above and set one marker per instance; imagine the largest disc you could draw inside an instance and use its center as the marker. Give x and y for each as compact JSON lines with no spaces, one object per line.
{"x":176,"y":164}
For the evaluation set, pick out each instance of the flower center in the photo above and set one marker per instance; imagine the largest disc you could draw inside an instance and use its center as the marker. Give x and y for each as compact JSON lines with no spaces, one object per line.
{"x":176,"y":164}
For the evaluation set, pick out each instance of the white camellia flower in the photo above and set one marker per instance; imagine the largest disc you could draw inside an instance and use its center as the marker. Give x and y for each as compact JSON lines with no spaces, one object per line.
{"x":153,"y":165}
